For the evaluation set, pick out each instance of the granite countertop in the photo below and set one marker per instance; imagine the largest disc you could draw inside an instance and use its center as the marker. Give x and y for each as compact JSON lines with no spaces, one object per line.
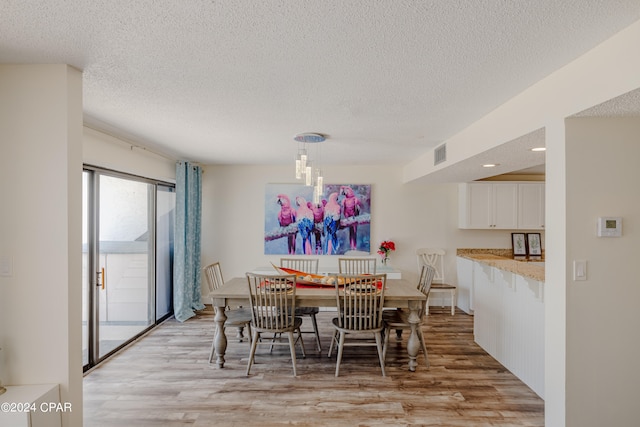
{"x":503,"y":259}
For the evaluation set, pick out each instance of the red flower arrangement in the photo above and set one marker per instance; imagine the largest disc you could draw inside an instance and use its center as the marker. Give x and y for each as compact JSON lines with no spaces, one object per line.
{"x":384,"y":249}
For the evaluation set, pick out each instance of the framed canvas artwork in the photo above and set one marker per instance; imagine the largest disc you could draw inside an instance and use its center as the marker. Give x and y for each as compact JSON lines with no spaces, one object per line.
{"x":340,"y":223}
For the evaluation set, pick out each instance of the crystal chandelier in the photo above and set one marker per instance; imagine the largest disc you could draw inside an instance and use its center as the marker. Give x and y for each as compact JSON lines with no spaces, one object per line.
{"x":309,"y":170}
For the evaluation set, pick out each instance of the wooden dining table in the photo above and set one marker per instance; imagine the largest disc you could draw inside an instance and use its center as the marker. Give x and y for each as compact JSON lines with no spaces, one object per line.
{"x":399,"y":293}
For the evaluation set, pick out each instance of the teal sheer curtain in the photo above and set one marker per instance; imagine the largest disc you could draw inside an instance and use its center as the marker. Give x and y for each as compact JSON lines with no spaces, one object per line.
{"x":186,"y":268}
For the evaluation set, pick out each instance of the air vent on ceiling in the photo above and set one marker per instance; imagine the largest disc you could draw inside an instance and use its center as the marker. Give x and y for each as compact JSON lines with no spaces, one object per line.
{"x":440,"y":154}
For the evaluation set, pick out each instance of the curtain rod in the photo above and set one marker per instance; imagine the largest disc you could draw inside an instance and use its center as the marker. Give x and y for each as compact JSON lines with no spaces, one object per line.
{"x":130,"y":143}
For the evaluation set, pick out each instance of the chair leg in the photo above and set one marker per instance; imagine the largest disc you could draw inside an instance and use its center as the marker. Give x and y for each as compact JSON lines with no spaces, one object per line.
{"x":315,"y":330}
{"x":252,"y":353}
{"x":301,"y":342}
{"x":427,"y":308}
{"x":293,"y":352}
{"x":340,"y":348}
{"x":240,"y":334}
{"x":275,"y":336}
{"x":333,"y":340}
{"x":380,"y":353}
{"x":387,"y":332}
{"x":453,"y":302}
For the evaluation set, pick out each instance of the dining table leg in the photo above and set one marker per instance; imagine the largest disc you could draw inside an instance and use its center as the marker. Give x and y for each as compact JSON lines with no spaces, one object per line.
{"x":220,"y":340}
{"x":413,"y":343}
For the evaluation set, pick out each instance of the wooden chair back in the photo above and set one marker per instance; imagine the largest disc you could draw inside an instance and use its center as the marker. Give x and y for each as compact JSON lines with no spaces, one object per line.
{"x":435,"y":258}
{"x":360,"y":301}
{"x":308,"y":265}
{"x":273,"y":299}
{"x":427,"y":273}
{"x":213,"y":274}
{"x":357,"y":265}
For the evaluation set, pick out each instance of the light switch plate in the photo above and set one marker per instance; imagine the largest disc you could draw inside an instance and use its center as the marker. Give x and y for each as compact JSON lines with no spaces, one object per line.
{"x":6,"y":267}
{"x":579,"y":270}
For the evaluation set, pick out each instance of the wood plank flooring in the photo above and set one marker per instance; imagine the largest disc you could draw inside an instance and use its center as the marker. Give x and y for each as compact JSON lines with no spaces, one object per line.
{"x":165,"y":380}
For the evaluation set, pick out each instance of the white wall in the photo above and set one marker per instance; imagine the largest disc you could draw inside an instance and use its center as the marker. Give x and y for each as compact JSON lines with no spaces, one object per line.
{"x":555,"y":275}
{"x":412,"y":215}
{"x":603,"y":344}
{"x":106,"y":151}
{"x":40,"y":228}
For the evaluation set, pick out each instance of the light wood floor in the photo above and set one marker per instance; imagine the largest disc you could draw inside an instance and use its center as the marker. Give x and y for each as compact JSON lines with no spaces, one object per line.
{"x":165,"y":380}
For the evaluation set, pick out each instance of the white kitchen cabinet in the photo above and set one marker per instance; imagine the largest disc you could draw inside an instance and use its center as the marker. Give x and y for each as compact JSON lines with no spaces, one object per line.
{"x":531,"y":205}
{"x":488,"y":205}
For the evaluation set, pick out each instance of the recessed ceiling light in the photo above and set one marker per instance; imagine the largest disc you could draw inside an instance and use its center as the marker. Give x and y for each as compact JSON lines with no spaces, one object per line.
{"x":539,"y":149}
{"x":490,"y":165}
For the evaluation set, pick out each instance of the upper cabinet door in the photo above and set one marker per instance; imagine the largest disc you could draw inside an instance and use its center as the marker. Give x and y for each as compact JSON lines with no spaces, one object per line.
{"x":531,"y":205}
{"x":485,"y":205}
{"x":501,"y":205}
{"x":505,"y":199}
{"x":479,"y":206}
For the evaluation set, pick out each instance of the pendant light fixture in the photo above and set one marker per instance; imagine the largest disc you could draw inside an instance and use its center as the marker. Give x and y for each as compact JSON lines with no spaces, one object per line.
{"x":307,"y":169}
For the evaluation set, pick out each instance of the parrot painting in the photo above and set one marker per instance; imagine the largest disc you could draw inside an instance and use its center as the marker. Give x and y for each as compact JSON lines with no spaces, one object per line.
{"x":305,"y":224}
{"x":318,"y":218}
{"x":286,"y":217}
{"x":331,"y":222}
{"x":350,"y":209}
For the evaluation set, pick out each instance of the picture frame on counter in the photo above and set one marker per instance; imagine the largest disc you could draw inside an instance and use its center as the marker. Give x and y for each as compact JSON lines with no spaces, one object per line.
{"x":534,"y":244}
{"x":519,"y":244}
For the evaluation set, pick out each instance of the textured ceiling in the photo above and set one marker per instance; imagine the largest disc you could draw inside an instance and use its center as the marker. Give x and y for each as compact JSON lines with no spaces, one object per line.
{"x":232,"y":81}
{"x":627,"y":105}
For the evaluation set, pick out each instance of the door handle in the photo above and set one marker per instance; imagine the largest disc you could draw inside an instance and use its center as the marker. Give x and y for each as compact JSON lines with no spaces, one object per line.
{"x":101,"y":278}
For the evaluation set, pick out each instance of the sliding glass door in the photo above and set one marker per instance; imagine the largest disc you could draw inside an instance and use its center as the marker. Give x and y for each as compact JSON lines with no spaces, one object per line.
{"x":165,"y":216}
{"x":128,"y":259}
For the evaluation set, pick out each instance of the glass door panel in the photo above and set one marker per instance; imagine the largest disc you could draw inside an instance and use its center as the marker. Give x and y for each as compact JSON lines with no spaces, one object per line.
{"x":127,"y":259}
{"x":165,"y":211}
{"x":86,"y":266}
{"x":125,"y":254}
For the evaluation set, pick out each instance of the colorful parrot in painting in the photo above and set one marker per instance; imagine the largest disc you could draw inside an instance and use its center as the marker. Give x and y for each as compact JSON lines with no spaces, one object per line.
{"x":350,"y":208}
{"x":286,"y":217}
{"x":331,"y":222}
{"x":305,"y":224}
{"x":318,"y":218}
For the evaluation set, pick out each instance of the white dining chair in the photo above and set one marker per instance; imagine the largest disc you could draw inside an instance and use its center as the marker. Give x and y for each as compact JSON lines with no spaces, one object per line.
{"x":357,"y":265}
{"x":307,"y":265}
{"x":359,"y":300}
{"x":273,"y":299}
{"x":435,"y":258}
{"x":237,"y":317}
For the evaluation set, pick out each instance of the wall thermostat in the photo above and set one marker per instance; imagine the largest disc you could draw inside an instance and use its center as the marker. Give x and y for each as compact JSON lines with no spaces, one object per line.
{"x":609,"y":226}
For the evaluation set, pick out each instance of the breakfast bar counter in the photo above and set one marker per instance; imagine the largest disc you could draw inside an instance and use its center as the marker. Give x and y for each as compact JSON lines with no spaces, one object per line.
{"x":502,"y":259}
{"x":506,"y":297}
